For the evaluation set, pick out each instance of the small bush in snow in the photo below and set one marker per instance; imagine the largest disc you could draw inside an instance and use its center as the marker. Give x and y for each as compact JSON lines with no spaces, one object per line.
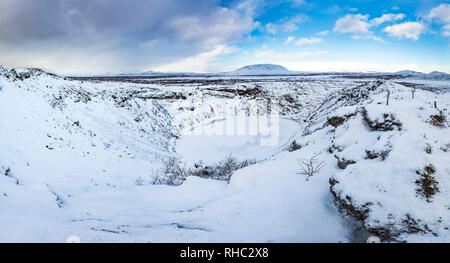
{"x":384,"y":154}
{"x":445,"y":148}
{"x":333,"y":148}
{"x":429,"y":148}
{"x":220,"y":171}
{"x":373,"y":154}
{"x":438,"y":120}
{"x":6,"y":171}
{"x":311,"y":166}
{"x":386,"y":123}
{"x":293,"y":146}
{"x":336,"y":121}
{"x":157,"y":178}
{"x":343,"y":163}
{"x":174,"y":171}
{"x":428,"y":185}
{"x":139,"y":181}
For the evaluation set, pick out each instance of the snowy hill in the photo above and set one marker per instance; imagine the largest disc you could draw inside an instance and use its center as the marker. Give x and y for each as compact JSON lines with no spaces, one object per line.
{"x":435,"y":75}
{"x":261,"y":69}
{"x":258,"y":69}
{"x":438,"y":75}
{"x":409,"y":73}
{"x":110,"y":161}
{"x":277,"y":70}
{"x":156,"y":73}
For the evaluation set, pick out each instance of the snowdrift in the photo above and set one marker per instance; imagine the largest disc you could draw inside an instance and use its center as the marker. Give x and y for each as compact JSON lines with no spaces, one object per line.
{"x":79,"y":158}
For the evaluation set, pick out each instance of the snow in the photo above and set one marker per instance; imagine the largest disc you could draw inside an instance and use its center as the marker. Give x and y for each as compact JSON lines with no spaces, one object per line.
{"x":261,"y":69}
{"x":72,"y":153}
{"x":214,"y":148}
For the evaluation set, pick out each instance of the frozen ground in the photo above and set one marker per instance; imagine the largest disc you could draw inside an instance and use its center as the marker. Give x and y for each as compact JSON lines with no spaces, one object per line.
{"x":211,"y":148}
{"x":80,"y":158}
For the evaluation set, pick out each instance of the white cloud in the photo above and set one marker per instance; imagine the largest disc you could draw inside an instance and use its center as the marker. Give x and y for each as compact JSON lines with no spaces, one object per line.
{"x":286,"y":24}
{"x":251,"y":7}
{"x":289,"y":40}
{"x":386,"y":18}
{"x":352,"y":24}
{"x":131,"y":35}
{"x":410,"y":30}
{"x":192,"y":28}
{"x":359,"y":25}
{"x":308,"y":41}
{"x":203,"y":62}
{"x":353,"y":66}
{"x":332,"y":9}
{"x":440,"y":13}
{"x":446,"y":30}
{"x":323,"y":33}
{"x":271,"y":28}
{"x":370,"y":35}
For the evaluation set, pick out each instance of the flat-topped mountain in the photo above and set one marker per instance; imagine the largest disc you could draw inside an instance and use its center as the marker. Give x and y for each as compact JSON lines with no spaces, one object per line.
{"x":261,"y":69}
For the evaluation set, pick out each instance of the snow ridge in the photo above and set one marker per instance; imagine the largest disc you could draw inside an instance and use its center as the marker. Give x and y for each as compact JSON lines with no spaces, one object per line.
{"x":81,"y":157}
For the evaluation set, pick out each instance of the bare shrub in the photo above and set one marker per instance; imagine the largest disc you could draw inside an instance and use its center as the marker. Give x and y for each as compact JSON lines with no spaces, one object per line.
{"x":174,"y":171}
{"x":139,"y":181}
{"x":428,"y":185}
{"x":311,"y":166}
{"x":223,"y":170}
{"x":445,"y":148}
{"x":387,"y":123}
{"x":438,"y":120}
{"x":372,"y":154}
{"x":157,"y":178}
{"x":333,"y":148}
{"x":226,"y":167}
{"x":428,"y":148}
{"x":382,"y":155}
{"x":342,"y":162}
{"x":336,"y":121}
{"x":293,"y":146}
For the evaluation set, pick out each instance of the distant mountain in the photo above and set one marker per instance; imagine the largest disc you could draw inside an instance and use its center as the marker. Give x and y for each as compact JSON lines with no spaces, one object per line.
{"x":258,"y":69}
{"x":261,"y":69}
{"x":156,"y":73}
{"x":438,"y":75}
{"x":146,"y":73}
{"x":432,"y":75}
{"x":409,"y":73}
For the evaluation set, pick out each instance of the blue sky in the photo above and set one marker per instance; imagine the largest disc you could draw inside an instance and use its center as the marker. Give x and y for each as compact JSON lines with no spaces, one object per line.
{"x":427,"y":51}
{"x":82,"y":37}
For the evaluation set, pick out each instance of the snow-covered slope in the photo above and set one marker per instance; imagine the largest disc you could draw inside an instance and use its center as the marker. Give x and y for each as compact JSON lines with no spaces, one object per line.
{"x":390,"y":163}
{"x":87,"y":158}
{"x":261,"y":69}
{"x":438,"y":75}
{"x":408,"y":73}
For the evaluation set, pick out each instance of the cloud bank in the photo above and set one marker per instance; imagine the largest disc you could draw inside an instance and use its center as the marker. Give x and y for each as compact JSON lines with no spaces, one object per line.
{"x":134,"y":34}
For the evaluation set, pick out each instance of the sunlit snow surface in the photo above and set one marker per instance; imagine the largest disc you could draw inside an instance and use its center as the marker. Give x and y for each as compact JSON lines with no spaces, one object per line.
{"x":213,"y":148}
{"x":81,"y":161}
